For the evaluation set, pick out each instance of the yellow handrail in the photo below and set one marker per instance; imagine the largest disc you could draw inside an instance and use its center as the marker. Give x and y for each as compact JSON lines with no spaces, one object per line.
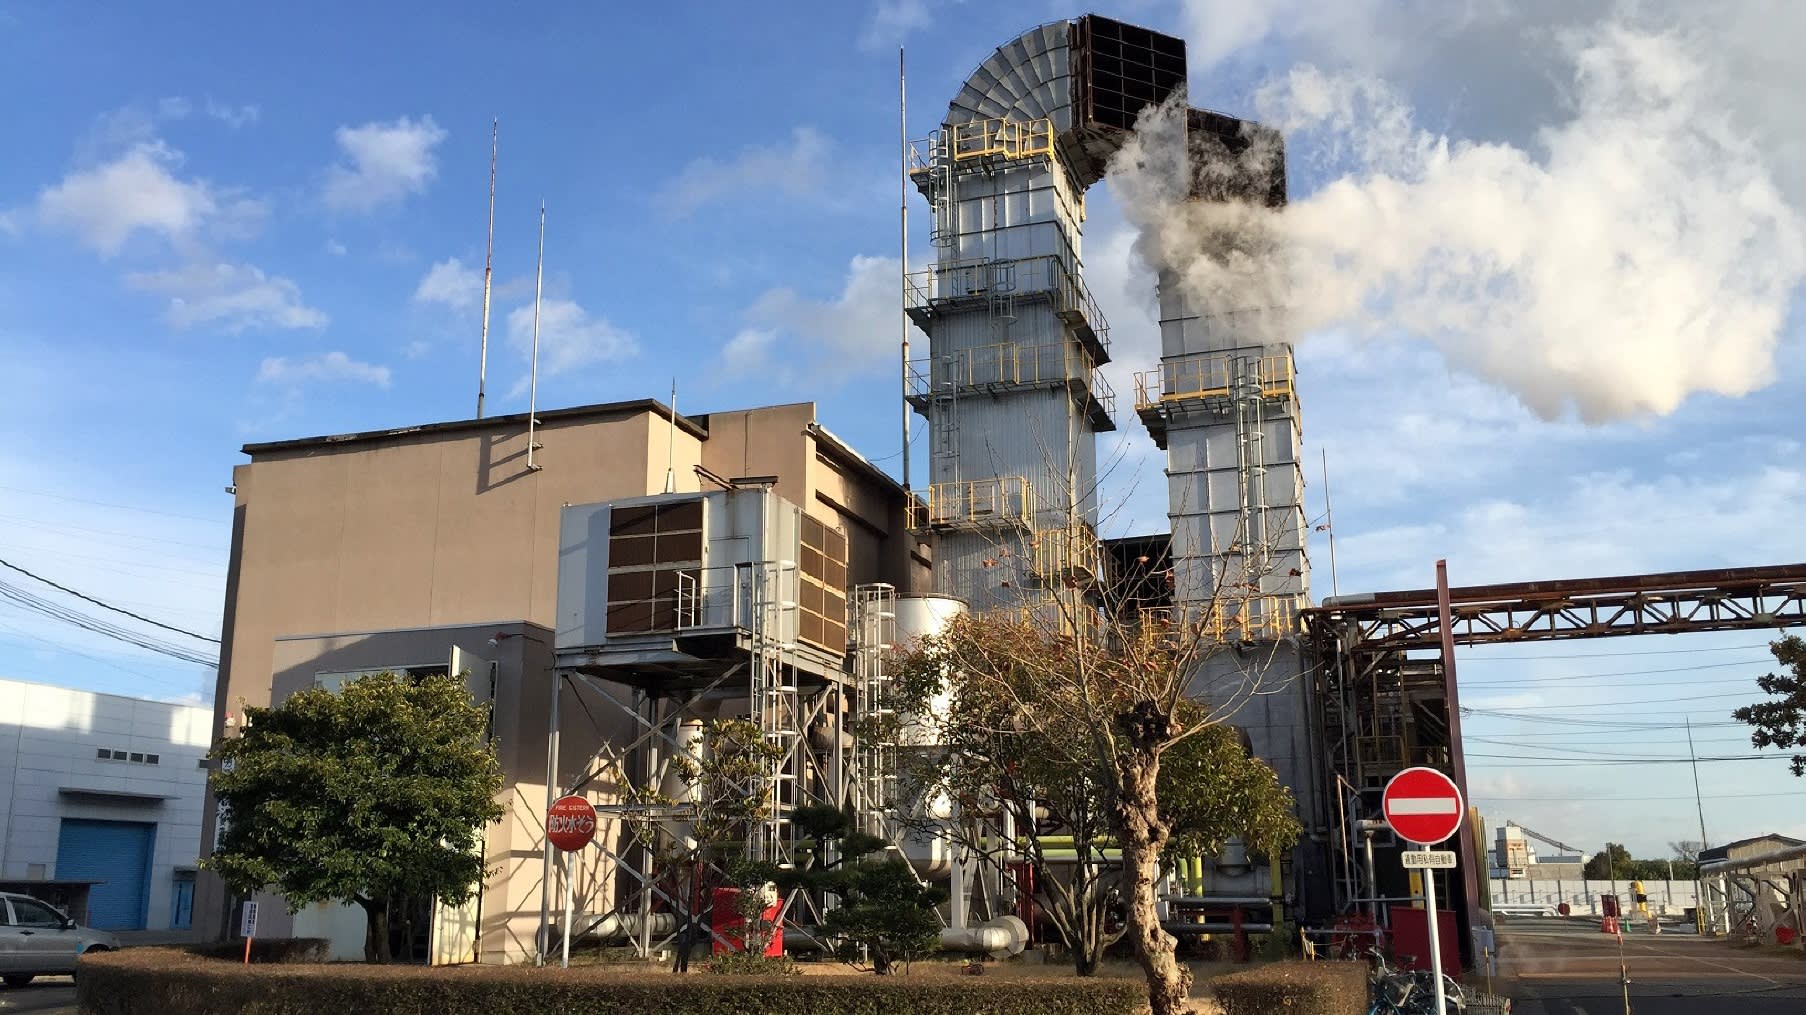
{"x":1003,"y":501}
{"x":1259,"y":618}
{"x":1212,"y":376}
{"x":1010,"y":365}
{"x":1001,"y":138}
{"x":1071,"y":549}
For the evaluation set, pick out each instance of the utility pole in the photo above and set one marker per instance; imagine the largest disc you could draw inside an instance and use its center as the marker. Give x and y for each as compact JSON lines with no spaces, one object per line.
{"x":1699,"y":801}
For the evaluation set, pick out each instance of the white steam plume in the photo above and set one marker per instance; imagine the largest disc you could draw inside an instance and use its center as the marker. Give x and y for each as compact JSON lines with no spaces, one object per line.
{"x":1639,"y":252}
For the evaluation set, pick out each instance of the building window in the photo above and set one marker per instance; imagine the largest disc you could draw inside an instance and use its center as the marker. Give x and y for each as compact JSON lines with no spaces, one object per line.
{"x":335,"y":681}
{"x":137,"y":756}
{"x":152,"y":759}
{"x":104,"y":754}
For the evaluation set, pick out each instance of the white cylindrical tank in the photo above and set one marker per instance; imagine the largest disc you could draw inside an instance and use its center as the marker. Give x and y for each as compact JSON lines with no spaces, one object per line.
{"x":919,"y":617}
{"x":927,"y":849}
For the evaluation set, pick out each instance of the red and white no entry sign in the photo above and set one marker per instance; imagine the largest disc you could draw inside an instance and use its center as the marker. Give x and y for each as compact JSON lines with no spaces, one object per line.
{"x":1423,"y":806}
{"x":571,"y":823}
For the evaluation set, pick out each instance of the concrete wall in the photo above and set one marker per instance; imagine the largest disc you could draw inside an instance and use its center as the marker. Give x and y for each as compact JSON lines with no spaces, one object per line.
{"x":1667,"y":897}
{"x":521,"y":677}
{"x":49,"y":739}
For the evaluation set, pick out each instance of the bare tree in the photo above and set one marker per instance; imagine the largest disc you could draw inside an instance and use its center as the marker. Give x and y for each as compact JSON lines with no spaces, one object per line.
{"x":1097,"y":679}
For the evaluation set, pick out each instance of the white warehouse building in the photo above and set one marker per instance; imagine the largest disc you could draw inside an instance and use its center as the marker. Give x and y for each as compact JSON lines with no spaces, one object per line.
{"x":100,"y":803}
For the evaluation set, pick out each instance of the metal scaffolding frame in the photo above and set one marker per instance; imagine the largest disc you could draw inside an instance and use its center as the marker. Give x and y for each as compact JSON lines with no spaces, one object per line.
{"x":800,"y":701}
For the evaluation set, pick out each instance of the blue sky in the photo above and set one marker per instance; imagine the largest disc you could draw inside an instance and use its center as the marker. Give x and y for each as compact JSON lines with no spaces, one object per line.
{"x":233,"y":224}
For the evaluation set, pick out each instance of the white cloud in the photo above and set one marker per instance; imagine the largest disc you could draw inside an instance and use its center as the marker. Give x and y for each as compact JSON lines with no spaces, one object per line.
{"x":233,"y":116}
{"x":332,"y":366}
{"x":798,"y":167}
{"x":750,"y":353}
{"x":1595,"y":523}
{"x":139,"y":191}
{"x":569,"y":339}
{"x":1639,"y":253}
{"x":892,"y":21}
{"x":417,"y":349}
{"x":452,"y":284}
{"x":849,"y":334}
{"x":385,"y":162}
{"x":174,"y":107}
{"x":335,"y":248}
{"x":231,"y":297}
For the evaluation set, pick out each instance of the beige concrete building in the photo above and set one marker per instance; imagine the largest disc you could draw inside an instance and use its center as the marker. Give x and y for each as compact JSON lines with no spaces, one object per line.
{"x":437,"y":547}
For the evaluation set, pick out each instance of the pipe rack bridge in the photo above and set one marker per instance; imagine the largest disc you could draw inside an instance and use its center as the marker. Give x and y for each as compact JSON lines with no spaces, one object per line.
{"x":1385,"y":698}
{"x":1677,"y":602}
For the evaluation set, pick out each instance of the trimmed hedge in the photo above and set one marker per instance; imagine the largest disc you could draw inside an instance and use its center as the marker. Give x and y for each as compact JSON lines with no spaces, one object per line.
{"x":162,"y":981}
{"x":1293,"y":988}
{"x":282,"y":950}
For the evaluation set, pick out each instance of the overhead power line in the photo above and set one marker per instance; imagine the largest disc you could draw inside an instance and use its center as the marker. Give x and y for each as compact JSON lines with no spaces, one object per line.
{"x":57,"y":611}
{"x":1519,"y":656}
{"x":107,"y":606}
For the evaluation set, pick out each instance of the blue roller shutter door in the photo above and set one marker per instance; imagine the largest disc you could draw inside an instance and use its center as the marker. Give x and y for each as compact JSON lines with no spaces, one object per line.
{"x":117,"y":853}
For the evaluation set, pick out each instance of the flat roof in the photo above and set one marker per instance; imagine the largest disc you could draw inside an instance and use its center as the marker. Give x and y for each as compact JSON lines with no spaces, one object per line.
{"x":516,"y":419}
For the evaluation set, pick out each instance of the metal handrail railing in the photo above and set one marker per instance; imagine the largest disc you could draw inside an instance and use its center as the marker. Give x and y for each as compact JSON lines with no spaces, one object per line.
{"x":974,"y":278}
{"x":1005,"y":500}
{"x":1009,"y":364}
{"x":1212,"y":375}
{"x":1260,"y":618}
{"x":999,"y":138}
{"x":1070,"y":549}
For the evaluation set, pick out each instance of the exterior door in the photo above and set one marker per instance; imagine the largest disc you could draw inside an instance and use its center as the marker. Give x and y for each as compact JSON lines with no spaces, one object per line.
{"x":117,"y":854}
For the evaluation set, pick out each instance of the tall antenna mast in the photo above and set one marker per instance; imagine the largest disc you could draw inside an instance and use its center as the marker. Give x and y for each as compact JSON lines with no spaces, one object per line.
{"x":903,"y":232}
{"x":495,"y":127}
{"x":539,"y":276}
{"x":671,"y":444}
{"x":1329,"y":521}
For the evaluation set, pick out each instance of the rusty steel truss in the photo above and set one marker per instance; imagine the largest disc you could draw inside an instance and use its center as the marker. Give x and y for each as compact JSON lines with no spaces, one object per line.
{"x":1680,"y":602}
{"x":1385,"y":697}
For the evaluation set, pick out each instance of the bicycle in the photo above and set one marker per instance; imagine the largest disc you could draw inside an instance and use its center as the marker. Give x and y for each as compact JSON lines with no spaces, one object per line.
{"x":1398,"y":992}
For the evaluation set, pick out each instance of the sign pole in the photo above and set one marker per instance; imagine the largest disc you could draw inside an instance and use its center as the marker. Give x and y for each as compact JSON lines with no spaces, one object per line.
{"x":1429,"y":901}
{"x":248,"y":926}
{"x":568,"y":892}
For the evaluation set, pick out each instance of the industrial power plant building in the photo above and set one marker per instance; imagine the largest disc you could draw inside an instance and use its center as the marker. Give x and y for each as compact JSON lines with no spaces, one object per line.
{"x":655,"y":570}
{"x":612,"y":577}
{"x":441,"y":548}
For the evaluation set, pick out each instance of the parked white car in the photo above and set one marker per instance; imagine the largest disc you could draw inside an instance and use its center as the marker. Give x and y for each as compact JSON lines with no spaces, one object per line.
{"x":36,"y":940}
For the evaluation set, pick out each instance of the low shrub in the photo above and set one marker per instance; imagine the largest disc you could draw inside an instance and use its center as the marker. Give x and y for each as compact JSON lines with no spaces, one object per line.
{"x":1294,"y":988}
{"x":273,"y":949}
{"x":162,"y":981}
{"x":750,"y":964}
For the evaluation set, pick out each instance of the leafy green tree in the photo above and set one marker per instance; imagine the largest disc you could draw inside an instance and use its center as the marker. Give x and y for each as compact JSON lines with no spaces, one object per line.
{"x":885,"y":915}
{"x":1021,"y":736}
{"x":373,"y":794}
{"x":1782,"y":723}
{"x":1612,"y":862}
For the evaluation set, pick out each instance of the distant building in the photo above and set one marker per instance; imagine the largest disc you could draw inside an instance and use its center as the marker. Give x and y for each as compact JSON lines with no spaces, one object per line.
{"x":1744,"y":849}
{"x":101,"y":802}
{"x":1513,"y":857}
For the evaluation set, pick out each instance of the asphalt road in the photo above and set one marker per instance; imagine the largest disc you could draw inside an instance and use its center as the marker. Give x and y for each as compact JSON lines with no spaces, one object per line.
{"x":1558,"y":968}
{"x":46,"y":995}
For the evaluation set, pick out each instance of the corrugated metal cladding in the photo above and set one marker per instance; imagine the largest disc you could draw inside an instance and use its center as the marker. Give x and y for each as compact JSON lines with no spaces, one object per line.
{"x":1018,"y":212}
{"x":1274,"y":713}
{"x":660,"y":564}
{"x":118,"y":855}
{"x":1027,"y":78}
